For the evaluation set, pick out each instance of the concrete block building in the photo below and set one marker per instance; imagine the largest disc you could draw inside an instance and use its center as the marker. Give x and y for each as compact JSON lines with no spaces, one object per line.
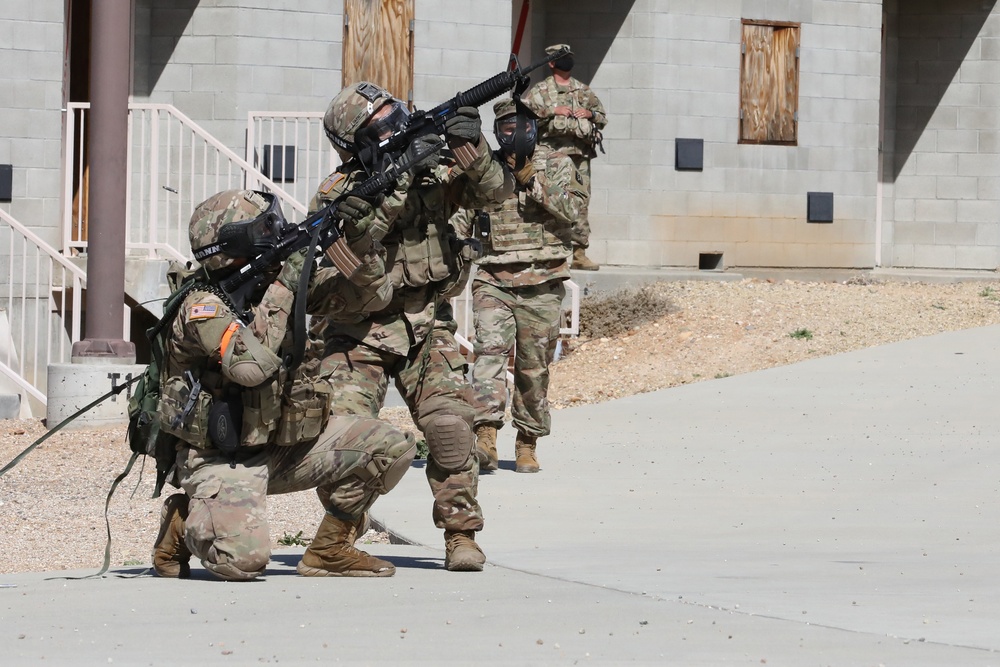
{"x":742,"y":133}
{"x":893,"y":107}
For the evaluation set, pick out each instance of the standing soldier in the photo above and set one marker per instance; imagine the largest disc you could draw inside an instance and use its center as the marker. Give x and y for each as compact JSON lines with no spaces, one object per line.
{"x":411,"y":341}
{"x":570,"y":120}
{"x":245,"y":428}
{"x":519,"y":287}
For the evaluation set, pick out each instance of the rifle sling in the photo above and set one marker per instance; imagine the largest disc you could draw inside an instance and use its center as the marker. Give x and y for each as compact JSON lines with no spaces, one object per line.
{"x":301,"y":297}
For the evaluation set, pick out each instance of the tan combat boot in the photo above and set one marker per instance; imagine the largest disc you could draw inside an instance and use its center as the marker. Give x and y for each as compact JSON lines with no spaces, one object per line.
{"x":170,"y":554}
{"x":486,"y":448}
{"x":524,"y":448}
{"x":332,"y":552}
{"x":462,"y":554}
{"x":581,"y":262}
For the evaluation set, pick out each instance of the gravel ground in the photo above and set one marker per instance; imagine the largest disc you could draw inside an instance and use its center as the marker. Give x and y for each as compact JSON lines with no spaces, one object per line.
{"x":52,"y":504}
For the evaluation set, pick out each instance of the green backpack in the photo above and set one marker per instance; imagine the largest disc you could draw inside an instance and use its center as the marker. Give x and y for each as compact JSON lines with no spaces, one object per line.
{"x":144,"y":434}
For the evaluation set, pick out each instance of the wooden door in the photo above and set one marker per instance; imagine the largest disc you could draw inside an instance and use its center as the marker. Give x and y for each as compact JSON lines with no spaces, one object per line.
{"x":378,"y":45}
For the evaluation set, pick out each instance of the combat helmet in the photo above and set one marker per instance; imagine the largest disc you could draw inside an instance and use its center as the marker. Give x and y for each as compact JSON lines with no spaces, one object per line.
{"x":351,"y":109}
{"x":235,"y":224}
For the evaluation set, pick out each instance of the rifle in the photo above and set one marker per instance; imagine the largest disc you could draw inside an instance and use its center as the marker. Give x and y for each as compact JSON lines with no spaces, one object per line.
{"x":432,"y":122}
{"x":323,"y":229}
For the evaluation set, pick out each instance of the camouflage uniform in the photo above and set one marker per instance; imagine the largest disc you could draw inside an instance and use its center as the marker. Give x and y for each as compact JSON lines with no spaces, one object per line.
{"x":518,"y":291}
{"x":288,"y":442}
{"x":411,"y":340}
{"x":574,"y":137}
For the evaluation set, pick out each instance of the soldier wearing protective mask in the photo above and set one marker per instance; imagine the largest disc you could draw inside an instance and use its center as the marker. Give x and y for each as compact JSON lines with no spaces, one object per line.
{"x":570,"y":120}
{"x":411,"y":341}
{"x":519,"y":287}
{"x":249,"y":426}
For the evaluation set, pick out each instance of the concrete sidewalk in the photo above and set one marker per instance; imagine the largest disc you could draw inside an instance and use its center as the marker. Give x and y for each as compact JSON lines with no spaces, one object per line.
{"x":841,"y":511}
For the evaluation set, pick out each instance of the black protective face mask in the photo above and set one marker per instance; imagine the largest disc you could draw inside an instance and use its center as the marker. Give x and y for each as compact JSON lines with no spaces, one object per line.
{"x":565,"y":63}
{"x":250,"y":238}
{"x":516,"y":136}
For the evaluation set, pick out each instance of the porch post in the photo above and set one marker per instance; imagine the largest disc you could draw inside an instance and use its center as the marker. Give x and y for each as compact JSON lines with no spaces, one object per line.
{"x":111,"y":23}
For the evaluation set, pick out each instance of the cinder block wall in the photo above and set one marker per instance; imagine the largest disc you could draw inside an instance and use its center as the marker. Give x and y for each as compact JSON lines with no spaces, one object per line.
{"x":672,"y":69}
{"x":944,"y":168}
{"x":456,"y":46}
{"x":216,"y":60}
{"x":31,"y":62}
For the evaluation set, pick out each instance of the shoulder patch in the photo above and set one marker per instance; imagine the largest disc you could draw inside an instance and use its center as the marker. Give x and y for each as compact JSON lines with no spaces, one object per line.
{"x":327,"y":185}
{"x":203,"y":311}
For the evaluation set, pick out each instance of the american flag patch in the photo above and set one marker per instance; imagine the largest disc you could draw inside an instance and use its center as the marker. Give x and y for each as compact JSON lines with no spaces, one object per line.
{"x":203,"y":311}
{"x":328,"y":184}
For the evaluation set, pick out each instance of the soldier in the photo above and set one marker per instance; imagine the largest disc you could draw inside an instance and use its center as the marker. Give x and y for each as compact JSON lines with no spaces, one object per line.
{"x":221,"y":361}
{"x":411,"y":341}
{"x":570,"y":120}
{"x":518,"y":289}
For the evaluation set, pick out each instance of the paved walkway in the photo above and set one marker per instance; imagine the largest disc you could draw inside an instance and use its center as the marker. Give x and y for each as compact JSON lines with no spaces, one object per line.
{"x":841,"y":511}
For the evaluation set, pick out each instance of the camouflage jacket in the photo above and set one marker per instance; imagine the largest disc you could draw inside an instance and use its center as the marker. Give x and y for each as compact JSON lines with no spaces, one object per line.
{"x":572,"y":136}
{"x":235,"y":359}
{"x":424,"y":228}
{"x":529,"y":239}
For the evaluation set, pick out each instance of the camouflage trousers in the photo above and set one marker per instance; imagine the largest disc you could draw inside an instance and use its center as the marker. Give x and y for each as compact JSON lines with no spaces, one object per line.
{"x":526,"y":320}
{"x":431,"y":379}
{"x":581,"y":227}
{"x":227,"y":521}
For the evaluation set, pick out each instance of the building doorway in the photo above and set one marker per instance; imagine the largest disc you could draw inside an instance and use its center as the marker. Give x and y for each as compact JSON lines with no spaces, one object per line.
{"x":76,"y":78}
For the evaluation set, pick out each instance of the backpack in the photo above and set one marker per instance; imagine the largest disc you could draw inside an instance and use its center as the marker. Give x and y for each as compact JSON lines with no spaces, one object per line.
{"x":144,"y":434}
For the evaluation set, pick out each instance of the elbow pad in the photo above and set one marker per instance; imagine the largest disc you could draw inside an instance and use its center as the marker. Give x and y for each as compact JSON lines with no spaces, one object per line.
{"x":247,"y":362}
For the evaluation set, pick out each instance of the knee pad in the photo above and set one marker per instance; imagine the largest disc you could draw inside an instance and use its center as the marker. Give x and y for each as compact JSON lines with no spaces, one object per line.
{"x":396,"y":470}
{"x":449,"y":441}
{"x":229,"y":571}
{"x":388,"y":468}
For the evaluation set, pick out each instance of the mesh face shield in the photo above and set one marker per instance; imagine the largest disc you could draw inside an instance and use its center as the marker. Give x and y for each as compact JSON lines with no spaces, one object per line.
{"x":249,"y":238}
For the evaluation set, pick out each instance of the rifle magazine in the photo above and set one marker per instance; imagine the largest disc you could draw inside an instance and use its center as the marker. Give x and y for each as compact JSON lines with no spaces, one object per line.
{"x":343,"y":257}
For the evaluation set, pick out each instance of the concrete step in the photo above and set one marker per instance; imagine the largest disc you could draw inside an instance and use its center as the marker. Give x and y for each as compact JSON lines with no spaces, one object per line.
{"x":10,"y":406}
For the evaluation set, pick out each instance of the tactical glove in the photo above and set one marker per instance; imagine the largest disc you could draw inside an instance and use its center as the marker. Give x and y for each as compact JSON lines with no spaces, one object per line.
{"x":419,"y":145}
{"x":525,"y":174}
{"x":357,"y":216}
{"x":292,"y":269}
{"x":466,"y":125}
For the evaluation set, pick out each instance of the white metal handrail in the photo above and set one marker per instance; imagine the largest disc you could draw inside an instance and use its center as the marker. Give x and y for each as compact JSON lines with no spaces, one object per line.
{"x":173,"y":164}
{"x":42,"y":290}
{"x":462,"y":307}
{"x":291,"y":146}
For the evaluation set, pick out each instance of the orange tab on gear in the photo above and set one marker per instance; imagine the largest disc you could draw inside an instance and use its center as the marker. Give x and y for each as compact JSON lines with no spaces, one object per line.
{"x":226,"y":337}
{"x":203,"y":311}
{"x":328,"y":184}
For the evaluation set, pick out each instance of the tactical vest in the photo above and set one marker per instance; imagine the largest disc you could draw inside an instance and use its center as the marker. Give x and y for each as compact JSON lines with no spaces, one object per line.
{"x":422,"y":247}
{"x":274,"y":412}
{"x":520,"y":230}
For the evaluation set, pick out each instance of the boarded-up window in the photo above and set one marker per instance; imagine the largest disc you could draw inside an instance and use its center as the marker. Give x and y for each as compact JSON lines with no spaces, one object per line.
{"x":769,"y":83}
{"x":378,"y":44}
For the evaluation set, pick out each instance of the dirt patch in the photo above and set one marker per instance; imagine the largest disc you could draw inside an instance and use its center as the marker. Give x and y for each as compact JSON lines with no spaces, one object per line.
{"x":672,"y":333}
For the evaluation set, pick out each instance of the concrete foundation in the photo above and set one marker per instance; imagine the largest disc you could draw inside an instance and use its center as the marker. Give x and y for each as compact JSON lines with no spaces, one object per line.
{"x":10,"y":406}
{"x":72,"y":386}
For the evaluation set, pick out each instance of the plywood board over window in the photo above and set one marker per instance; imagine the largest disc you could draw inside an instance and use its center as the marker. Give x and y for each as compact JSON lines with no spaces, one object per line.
{"x":378,"y":45}
{"x":769,"y":83}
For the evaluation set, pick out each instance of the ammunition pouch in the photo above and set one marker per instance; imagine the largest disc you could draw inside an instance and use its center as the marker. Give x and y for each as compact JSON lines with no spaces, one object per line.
{"x":421,"y":255}
{"x":184,"y":415}
{"x":305,"y":411}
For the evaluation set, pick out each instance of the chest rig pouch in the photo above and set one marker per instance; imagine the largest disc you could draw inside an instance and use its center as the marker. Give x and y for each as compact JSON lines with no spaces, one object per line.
{"x":305,"y":406}
{"x":420,"y":251}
